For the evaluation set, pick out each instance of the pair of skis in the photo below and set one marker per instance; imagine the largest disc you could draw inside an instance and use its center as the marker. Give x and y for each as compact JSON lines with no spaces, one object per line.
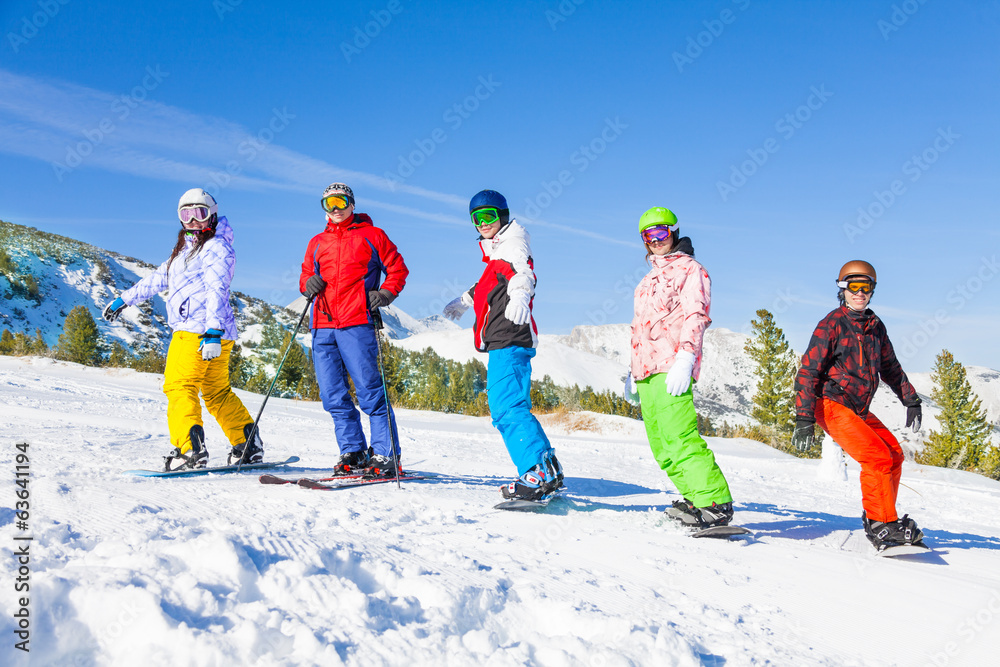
{"x":340,"y":481}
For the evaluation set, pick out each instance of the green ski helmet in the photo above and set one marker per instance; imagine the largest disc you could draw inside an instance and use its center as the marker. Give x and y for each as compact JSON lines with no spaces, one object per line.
{"x":657,"y":216}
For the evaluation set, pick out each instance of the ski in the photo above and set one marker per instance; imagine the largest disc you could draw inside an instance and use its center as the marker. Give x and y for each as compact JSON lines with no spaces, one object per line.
{"x":308,"y":483}
{"x":274,"y":479}
{"x":905,"y":550}
{"x":521,"y":505}
{"x":721,"y":532}
{"x":188,"y":472}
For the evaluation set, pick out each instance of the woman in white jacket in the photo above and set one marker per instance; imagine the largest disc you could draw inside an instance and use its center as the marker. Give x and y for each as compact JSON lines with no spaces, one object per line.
{"x":197,"y":276}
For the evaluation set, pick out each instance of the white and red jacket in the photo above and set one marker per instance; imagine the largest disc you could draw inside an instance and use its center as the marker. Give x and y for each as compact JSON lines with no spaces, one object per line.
{"x":509,"y":269}
{"x":671,"y":314}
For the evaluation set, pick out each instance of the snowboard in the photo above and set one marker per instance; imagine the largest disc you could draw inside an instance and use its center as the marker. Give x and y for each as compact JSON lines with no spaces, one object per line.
{"x":721,"y":531}
{"x":210,"y":470}
{"x":904,"y":550}
{"x":527,"y":505}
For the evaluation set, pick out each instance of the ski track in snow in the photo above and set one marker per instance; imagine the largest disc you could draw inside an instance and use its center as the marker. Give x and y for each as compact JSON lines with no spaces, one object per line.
{"x":222,"y":570}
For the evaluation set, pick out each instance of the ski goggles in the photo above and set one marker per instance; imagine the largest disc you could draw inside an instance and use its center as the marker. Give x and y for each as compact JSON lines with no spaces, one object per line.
{"x":855,"y":286}
{"x":336,"y":203}
{"x":194,"y":214}
{"x":485,"y":216}
{"x":657,"y":233}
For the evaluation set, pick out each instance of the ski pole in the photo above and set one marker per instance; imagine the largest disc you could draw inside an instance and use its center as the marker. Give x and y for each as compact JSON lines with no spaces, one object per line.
{"x":253,"y":431}
{"x":377,"y":323}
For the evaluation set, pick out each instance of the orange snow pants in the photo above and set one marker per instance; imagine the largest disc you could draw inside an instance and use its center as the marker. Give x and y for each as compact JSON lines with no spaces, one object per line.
{"x":872,"y":445}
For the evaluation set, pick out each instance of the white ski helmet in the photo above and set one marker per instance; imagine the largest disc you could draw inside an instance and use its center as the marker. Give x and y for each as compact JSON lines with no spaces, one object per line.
{"x":198,"y":197}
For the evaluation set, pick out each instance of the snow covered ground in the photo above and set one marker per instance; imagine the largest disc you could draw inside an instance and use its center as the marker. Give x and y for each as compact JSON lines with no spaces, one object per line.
{"x":224,"y":571}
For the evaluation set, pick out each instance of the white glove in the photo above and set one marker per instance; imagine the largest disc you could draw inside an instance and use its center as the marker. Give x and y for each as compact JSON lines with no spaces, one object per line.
{"x":457,"y":307}
{"x":211,"y":344}
{"x":631,"y":394}
{"x":518,"y":309}
{"x":679,"y":375}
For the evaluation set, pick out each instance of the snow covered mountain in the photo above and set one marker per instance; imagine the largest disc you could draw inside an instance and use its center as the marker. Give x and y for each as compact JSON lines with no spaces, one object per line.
{"x":69,"y":273}
{"x":220,"y":570}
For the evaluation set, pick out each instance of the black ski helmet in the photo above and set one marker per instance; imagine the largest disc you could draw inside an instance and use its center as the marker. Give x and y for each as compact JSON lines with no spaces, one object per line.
{"x":491,"y":199}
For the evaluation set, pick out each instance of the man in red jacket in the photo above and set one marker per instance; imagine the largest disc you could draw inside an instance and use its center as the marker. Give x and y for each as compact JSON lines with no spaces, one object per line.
{"x":848,"y":353}
{"x":342,"y":269}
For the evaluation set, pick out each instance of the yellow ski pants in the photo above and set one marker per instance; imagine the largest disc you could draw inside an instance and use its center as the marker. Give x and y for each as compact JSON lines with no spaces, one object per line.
{"x":187,"y":375}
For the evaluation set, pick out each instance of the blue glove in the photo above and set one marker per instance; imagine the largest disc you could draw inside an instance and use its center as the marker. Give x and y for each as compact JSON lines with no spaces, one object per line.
{"x":211,"y":344}
{"x":113,"y":310}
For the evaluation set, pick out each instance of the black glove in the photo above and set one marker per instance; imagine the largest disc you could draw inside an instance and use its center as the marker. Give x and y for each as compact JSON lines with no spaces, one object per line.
{"x":380,"y":298}
{"x":914,"y":415}
{"x":804,"y":437}
{"x":314,"y":285}
{"x":113,"y":310}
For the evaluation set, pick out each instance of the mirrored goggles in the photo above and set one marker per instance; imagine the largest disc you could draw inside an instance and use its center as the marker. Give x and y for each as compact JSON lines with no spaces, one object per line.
{"x":855,"y":286}
{"x":336,"y":203}
{"x":194,"y":214}
{"x":657,"y":233}
{"x":485,"y":216}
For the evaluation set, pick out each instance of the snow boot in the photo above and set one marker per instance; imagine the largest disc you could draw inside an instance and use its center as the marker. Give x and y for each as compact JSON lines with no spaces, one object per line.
{"x":685,"y":512}
{"x":196,"y":457}
{"x":716,"y":515}
{"x":352,"y":463}
{"x":892,"y":533}
{"x":382,"y":466}
{"x":532,"y":485}
{"x":554,"y":468}
{"x":247,"y":451}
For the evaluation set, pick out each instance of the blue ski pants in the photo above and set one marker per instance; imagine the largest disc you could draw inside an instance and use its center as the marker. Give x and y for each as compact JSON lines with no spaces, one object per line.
{"x":508,"y":389}
{"x":354,"y":351}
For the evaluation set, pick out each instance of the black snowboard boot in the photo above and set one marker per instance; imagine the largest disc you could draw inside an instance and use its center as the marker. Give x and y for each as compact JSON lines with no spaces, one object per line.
{"x":892,"y":533}
{"x":716,"y":515}
{"x":685,"y":512}
{"x":249,"y":451}
{"x":700,"y":517}
{"x":196,"y":457}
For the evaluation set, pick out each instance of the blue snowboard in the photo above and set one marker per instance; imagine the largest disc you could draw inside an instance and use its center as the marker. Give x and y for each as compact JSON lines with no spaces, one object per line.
{"x":210,"y":470}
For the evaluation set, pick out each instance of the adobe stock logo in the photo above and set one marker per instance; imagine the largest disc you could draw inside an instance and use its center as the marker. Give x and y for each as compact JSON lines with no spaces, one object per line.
{"x":788,"y":125}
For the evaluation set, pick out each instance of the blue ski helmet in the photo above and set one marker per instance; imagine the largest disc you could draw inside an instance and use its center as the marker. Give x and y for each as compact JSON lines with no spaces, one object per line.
{"x":491,"y":198}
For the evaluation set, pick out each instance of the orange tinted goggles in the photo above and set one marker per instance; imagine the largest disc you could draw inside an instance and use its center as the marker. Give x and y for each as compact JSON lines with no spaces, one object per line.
{"x":855,"y":286}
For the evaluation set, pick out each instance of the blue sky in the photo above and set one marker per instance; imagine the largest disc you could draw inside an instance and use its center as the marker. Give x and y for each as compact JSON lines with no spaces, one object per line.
{"x":789,"y":137}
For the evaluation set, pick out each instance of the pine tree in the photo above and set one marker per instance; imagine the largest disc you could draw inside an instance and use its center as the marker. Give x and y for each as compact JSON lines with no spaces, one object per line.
{"x":774,"y":400}
{"x":79,"y":339}
{"x":120,"y":356}
{"x":6,"y":342}
{"x":962,"y":440}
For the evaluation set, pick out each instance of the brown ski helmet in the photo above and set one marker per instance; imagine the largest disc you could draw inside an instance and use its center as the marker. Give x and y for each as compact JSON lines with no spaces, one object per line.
{"x":857,"y":267}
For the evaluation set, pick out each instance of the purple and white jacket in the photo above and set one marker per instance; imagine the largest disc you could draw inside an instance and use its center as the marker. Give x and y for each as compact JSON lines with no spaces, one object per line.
{"x":198,"y":286}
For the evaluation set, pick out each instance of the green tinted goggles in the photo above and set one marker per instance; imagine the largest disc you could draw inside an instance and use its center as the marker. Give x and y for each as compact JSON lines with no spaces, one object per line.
{"x":485,"y":216}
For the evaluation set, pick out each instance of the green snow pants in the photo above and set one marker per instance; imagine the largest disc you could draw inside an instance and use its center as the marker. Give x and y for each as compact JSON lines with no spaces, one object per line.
{"x":672,"y":428}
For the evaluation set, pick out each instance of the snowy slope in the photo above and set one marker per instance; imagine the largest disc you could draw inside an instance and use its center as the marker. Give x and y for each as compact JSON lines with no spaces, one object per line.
{"x":224,"y":571}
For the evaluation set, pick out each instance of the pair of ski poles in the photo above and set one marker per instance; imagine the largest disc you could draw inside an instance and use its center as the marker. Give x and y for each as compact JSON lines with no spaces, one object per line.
{"x":376,"y":317}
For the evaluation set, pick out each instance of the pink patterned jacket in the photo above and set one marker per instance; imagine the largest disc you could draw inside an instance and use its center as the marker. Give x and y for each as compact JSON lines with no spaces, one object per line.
{"x":671,"y":314}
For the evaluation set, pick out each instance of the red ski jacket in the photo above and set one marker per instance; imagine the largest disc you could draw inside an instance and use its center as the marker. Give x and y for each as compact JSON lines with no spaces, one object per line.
{"x":848,"y":353}
{"x":351,"y":257}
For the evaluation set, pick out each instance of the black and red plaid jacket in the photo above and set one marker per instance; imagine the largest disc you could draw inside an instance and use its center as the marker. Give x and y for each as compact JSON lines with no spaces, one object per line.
{"x":848,"y":353}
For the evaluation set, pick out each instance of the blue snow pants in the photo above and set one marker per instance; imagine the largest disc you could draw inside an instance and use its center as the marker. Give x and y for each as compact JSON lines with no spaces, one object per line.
{"x":508,"y":389}
{"x":353,"y":350}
